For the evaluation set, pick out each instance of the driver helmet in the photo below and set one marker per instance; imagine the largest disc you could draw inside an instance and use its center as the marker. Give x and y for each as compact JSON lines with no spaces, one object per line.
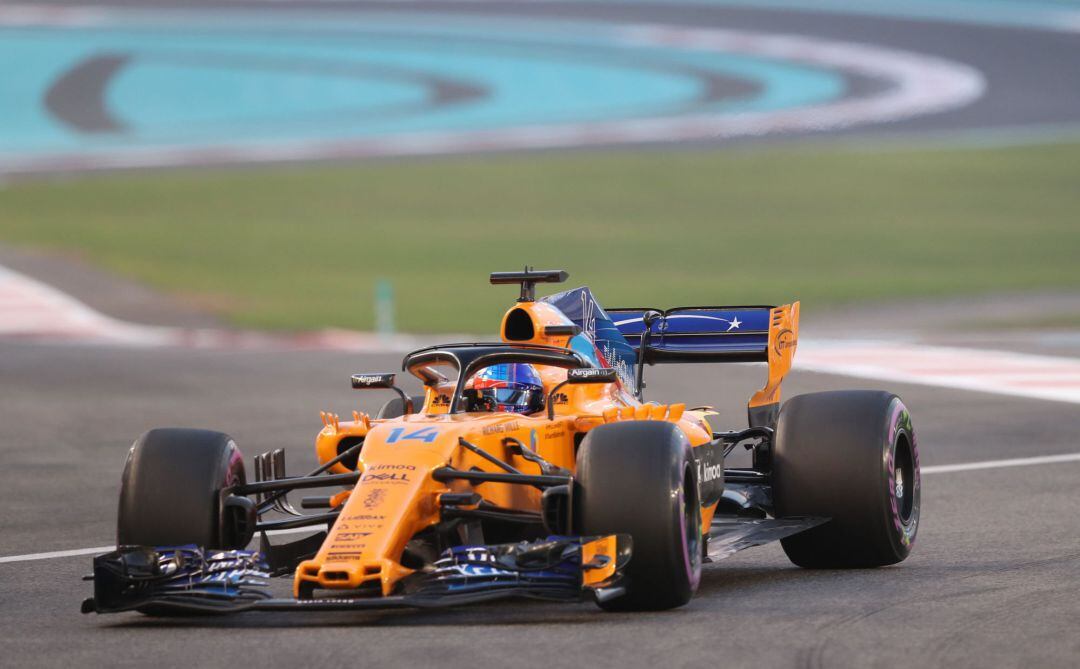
{"x":513,"y":387}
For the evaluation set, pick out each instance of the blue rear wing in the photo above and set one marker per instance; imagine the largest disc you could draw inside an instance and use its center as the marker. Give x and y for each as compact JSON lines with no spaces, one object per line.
{"x":627,"y":339}
{"x":697,"y":334}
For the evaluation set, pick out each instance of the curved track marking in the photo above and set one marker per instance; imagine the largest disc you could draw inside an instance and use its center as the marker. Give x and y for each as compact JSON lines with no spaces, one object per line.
{"x":998,"y":464}
{"x":912,"y":85}
{"x":78,"y":97}
{"x":999,"y":372}
{"x":34,"y":311}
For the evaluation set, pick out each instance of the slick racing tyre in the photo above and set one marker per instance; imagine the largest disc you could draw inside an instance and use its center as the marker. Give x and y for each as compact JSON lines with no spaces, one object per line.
{"x":638,"y":478}
{"x":171,"y":491}
{"x":850,"y":456}
{"x":395,"y":408}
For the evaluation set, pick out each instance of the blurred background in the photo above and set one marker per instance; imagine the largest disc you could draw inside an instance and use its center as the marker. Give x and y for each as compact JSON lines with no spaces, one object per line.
{"x":296,"y":166}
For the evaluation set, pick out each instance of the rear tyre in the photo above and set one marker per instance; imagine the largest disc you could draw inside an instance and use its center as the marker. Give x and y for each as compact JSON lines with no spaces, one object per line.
{"x":850,"y":456}
{"x":395,"y":408}
{"x":638,"y":478}
{"x":171,"y":491}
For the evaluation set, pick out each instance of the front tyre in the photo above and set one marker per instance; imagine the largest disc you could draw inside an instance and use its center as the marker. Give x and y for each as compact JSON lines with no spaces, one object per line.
{"x":850,"y":456}
{"x":171,"y":492}
{"x":638,"y":478}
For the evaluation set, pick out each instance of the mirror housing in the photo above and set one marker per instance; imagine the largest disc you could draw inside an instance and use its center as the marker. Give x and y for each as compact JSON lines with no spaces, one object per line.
{"x":382,"y":382}
{"x":367,"y":381}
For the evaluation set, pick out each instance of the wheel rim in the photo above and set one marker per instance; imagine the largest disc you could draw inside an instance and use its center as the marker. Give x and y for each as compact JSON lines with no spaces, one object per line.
{"x":903,"y":489}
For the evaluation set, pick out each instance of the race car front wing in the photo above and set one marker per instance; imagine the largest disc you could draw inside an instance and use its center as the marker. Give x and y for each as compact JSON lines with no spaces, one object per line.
{"x":187,"y":579}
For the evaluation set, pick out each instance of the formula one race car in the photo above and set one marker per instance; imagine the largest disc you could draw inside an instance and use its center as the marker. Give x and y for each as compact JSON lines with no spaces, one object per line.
{"x":530,"y":467}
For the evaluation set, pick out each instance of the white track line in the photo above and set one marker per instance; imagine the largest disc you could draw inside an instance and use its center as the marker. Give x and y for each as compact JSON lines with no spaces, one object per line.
{"x":1041,"y":377}
{"x":57,"y":554}
{"x":939,"y":469}
{"x":105,"y":549}
{"x":995,"y":464}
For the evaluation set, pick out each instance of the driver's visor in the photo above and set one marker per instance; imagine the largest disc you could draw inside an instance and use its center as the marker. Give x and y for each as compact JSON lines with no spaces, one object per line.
{"x":512,"y":396}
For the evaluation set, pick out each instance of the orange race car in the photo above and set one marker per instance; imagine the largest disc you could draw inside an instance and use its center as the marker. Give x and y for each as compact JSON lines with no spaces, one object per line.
{"x":530,"y":467}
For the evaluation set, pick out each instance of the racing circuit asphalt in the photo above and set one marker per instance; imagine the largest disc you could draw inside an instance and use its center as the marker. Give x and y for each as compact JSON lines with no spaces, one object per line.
{"x":993,"y":579}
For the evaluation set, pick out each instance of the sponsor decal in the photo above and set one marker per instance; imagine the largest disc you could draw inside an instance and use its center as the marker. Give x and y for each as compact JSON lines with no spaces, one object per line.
{"x":710,"y":470}
{"x":605,"y":374}
{"x":380,"y":467}
{"x":707,"y":473}
{"x":588,"y":315}
{"x":350,"y":554}
{"x":344,"y":556}
{"x":353,"y":527}
{"x":480,"y":570}
{"x":374,"y":498}
{"x":500,"y":428}
{"x":426,"y":435}
{"x":561,"y":398}
{"x":351,"y":536}
{"x":372,"y":380}
{"x":784,"y":341}
{"x":385,"y":477}
{"x":441,"y":401}
{"x":363,"y":516}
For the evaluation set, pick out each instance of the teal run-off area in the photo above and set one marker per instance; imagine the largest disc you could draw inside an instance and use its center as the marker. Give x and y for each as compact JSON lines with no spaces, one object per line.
{"x":181,"y":81}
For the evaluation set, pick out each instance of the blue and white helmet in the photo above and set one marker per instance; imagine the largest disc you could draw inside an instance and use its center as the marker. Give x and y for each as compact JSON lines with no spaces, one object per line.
{"x":513,"y":387}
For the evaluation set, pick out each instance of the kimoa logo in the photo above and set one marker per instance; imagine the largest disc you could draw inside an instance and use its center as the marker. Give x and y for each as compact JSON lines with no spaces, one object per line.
{"x":707,"y":473}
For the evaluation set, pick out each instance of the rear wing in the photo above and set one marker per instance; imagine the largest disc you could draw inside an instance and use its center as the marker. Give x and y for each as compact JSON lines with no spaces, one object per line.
{"x":718,"y":334}
{"x":696,"y":334}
